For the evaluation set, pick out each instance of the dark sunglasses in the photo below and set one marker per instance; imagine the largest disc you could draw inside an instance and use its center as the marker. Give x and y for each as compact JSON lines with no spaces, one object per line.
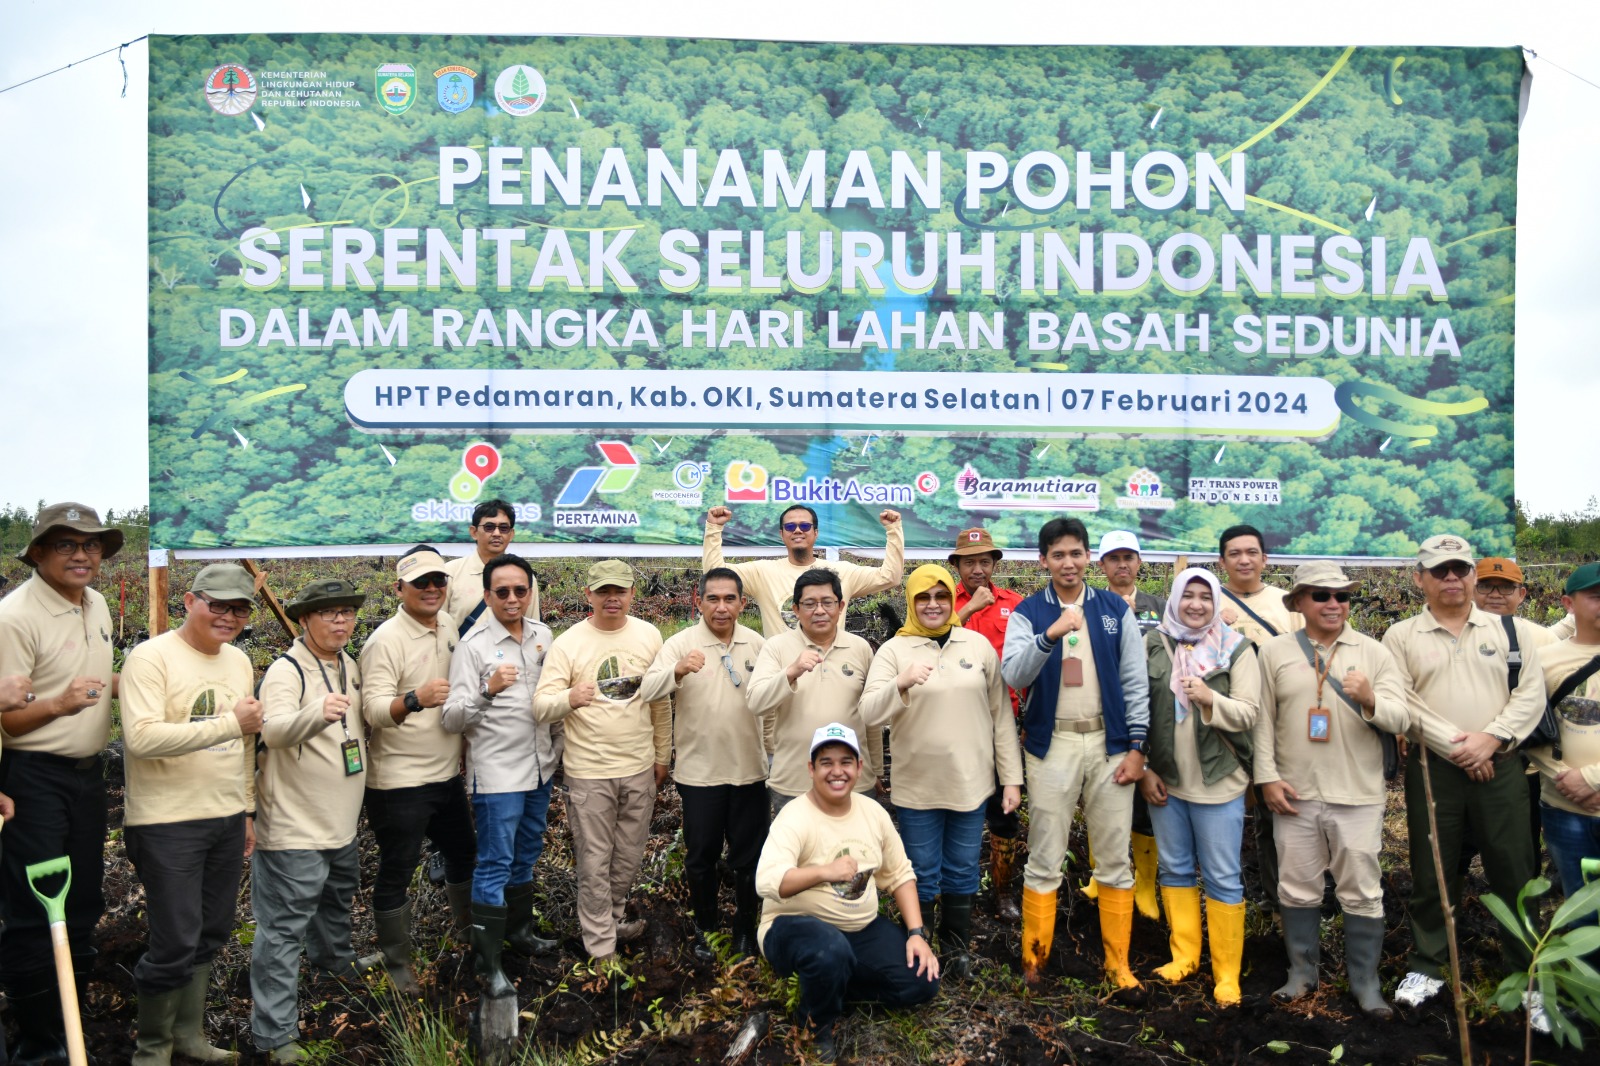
{"x":430,"y":581}
{"x":797,"y":527}
{"x":503,"y":591}
{"x":1324,"y":595}
{"x":1450,"y":569}
{"x":496,"y":527}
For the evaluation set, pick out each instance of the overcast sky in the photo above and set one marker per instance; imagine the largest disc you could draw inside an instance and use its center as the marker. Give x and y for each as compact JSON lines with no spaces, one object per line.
{"x":73,"y":276}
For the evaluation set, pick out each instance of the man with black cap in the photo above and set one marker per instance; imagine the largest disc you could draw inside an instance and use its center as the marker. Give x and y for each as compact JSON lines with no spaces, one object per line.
{"x":619,"y":749}
{"x":309,"y":786}
{"x":1473,"y":703}
{"x":56,"y":630}
{"x":985,"y":608}
{"x":414,"y":786}
{"x":188,"y":719}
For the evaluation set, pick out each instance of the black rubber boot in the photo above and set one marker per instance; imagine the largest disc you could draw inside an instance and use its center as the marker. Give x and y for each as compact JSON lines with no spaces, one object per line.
{"x":955,"y":935}
{"x":36,"y":1008}
{"x":394,"y":941}
{"x":1302,"y":936}
{"x":488,"y":935}
{"x":519,"y":923}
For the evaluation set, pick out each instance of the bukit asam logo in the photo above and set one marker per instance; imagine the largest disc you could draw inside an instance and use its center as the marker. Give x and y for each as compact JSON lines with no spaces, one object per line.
{"x":747,"y":482}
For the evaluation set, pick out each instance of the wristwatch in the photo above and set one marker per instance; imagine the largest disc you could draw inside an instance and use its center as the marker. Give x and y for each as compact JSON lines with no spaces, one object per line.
{"x":1136,"y":745}
{"x":413,"y":705}
{"x":919,"y":930}
{"x":483,"y":689}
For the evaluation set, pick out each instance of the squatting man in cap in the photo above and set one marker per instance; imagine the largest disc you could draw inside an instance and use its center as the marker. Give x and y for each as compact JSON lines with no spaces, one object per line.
{"x":189,"y":719}
{"x":55,"y":631}
{"x":511,"y":761}
{"x":619,"y":749}
{"x":827,"y":856}
{"x":414,"y":785}
{"x":310,"y":781}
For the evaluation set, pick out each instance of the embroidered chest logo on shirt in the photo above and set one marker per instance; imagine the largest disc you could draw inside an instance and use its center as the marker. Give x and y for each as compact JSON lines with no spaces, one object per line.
{"x":1486,"y":649}
{"x":1005,"y":612}
{"x":1110,"y":625}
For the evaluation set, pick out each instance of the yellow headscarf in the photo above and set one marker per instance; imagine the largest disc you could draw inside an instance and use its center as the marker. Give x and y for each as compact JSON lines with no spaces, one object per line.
{"x":921,"y":580}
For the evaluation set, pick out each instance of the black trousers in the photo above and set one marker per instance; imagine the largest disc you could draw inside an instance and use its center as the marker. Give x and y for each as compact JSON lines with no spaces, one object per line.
{"x":401,"y":817}
{"x":712,"y":815}
{"x":191,"y":876}
{"x":61,"y":810}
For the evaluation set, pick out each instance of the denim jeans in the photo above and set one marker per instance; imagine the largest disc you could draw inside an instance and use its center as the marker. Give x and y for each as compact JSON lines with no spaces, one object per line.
{"x":1571,"y":838}
{"x":510,"y":840}
{"x":944,"y":848}
{"x":868,"y":966}
{"x":1201,"y":839}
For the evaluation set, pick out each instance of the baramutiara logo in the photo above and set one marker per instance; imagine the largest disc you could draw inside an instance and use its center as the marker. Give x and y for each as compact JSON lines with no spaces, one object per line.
{"x":622,"y":467}
{"x":975,"y":492}
{"x":479,"y":463}
{"x":457,"y":86}
{"x":746,"y":482}
{"x":397,"y":87}
{"x":231,"y":89}
{"x":519,"y":90}
{"x":1144,"y":491}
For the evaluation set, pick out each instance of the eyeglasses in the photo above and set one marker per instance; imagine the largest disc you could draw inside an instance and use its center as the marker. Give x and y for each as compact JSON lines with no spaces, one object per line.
{"x":496,"y":527}
{"x":798,"y":527}
{"x":504,"y":591}
{"x":1324,"y":595}
{"x":1455,"y":568}
{"x":335,"y":614}
{"x":1497,"y":588}
{"x":217,"y":607}
{"x":733,"y":675}
{"x":812,"y":605}
{"x":72,"y":547}
{"x":430,"y":581}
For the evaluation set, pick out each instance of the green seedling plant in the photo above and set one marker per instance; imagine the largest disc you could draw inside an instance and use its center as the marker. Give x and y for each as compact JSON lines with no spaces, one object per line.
{"x":1559,"y":971}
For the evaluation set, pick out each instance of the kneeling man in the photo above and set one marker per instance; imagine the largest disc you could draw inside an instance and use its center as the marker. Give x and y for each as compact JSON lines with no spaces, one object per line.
{"x":827,"y":856}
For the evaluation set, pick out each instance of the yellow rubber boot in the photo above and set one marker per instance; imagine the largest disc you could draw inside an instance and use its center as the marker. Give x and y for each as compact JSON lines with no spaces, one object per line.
{"x":1183,"y":916}
{"x":1144,"y":876}
{"x":1091,"y":887}
{"x":1116,"y":930}
{"x":1038,"y":930}
{"x":1225,"y":931}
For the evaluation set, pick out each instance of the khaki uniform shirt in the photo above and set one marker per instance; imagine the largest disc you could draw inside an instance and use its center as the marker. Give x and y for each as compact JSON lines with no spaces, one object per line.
{"x":718,"y":740}
{"x":1079,"y":702}
{"x":1460,"y":684}
{"x":1348,"y":767}
{"x":1268,"y":602}
{"x":1579,"y":717}
{"x":620,"y":734}
{"x":829,"y":692}
{"x":1236,"y":712}
{"x":306,"y":801}
{"x":54,"y":643}
{"x":802,"y":835}
{"x":954,"y":733}
{"x":401,"y":655}
{"x":186,"y":759}
{"x":466,"y":589}
{"x":770,"y":582}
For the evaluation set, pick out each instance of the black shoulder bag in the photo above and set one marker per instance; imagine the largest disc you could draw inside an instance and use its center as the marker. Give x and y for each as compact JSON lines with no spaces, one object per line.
{"x":1547,"y":734}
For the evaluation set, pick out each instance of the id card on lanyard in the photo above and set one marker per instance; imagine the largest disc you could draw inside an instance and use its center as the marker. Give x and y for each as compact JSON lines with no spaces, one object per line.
{"x":351,"y":748}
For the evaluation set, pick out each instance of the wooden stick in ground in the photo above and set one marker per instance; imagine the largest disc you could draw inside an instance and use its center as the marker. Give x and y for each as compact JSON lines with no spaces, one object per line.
{"x":271,"y":597}
{"x":1449,"y":913}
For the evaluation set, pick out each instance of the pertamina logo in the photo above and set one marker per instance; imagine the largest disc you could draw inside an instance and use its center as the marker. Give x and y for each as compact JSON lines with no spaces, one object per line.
{"x":747,"y":482}
{"x":618,"y":474}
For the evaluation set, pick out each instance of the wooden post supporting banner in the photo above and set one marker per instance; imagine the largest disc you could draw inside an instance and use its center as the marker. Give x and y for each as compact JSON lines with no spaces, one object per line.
{"x":1179,"y":565}
{"x":271,"y":597}
{"x":158,"y":600}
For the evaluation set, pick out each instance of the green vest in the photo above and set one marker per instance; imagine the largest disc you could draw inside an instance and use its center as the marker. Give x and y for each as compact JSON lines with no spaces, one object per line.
{"x":1220,"y":752}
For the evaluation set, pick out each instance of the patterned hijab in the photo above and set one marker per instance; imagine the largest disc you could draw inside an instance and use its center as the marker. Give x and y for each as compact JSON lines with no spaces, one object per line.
{"x":923,"y":578}
{"x":1198,"y":651}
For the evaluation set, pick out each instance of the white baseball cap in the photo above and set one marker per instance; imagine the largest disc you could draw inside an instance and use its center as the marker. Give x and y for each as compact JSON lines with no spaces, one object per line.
{"x":1116,"y":540}
{"x":835,"y":733}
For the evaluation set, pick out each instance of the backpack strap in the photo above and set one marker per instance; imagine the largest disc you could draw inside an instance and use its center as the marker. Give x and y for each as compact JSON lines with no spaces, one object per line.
{"x":1514,"y":656}
{"x":1271,"y":629}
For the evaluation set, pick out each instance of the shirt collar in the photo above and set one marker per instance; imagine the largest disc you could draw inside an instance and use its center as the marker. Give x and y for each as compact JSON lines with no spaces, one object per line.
{"x":414,"y":628}
{"x":499,"y":633}
{"x":53,"y":601}
{"x":705,"y":638}
{"x":1476,"y":617}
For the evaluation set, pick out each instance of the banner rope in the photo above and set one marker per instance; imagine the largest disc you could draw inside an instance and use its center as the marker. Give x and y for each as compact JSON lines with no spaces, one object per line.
{"x":117,"y":48}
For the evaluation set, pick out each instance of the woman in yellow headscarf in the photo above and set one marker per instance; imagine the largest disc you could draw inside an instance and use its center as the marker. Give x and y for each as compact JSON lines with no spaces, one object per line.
{"x":938,"y":687}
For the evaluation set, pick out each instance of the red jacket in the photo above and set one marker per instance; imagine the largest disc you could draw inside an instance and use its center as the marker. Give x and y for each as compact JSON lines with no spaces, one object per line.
{"x":991,"y":622}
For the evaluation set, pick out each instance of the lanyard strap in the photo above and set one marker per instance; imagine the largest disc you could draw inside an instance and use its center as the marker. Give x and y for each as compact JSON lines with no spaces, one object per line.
{"x":323,"y":670}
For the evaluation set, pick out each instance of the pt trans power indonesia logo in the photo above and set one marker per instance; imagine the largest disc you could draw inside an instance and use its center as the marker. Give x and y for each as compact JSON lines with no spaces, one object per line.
{"x":746,"y":482}
{"x":618,"y":474}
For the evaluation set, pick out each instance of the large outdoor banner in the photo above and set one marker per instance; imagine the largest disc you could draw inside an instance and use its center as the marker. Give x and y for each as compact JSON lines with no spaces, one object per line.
{"x":617,"y":282}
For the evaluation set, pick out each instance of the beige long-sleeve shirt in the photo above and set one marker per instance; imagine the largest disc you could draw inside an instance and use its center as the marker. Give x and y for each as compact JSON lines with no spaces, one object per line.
{"x":718,"y":741}
{"x":620,"y":734}
{"x":829,"y":692}
{"x":466,"y":589}
{"x":186,"y":758}
{"x":1348,"y":767}
{"x":305,"y":800}
{"x":1579,"y":717}
{"x":1236,"y":712}
{"x":770,"y":582}
{"x":401,"y":655}
{"x":1268,"y":602}
{"x":1461,"y":684}
{"x":952,"y":734}
{"x":54,"y":642}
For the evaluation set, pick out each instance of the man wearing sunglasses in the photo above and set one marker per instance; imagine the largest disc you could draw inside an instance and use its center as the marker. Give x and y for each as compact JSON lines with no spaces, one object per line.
{"x":1455,"y":659}
{"x":492,"y":530}
{"x":721,"y":767}
{"x":511,"y":759}
{"x":56,"y":630}
{"x":414,"y":785}
{"x":188,"y":718}
{"x":619,"y":749}
{"x":770,"y":581}
{"x":1318,"y":759}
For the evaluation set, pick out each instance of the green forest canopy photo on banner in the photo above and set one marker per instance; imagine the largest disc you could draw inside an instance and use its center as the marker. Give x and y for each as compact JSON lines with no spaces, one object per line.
{"x":618,"y":281}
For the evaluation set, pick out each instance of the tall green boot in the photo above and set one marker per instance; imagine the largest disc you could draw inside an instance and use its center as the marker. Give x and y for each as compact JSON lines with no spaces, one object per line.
{"x":157,"y":1014}
{"x":1363,"y":948}
{"x":188,"y":1025}
{"x":488,"y":937}
{"x":519,"y":923}
{"x":1302,"y":936}
{"x":394,"y":941}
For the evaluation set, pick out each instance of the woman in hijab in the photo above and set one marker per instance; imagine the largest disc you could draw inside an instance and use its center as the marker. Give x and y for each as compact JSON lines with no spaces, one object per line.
{"x":938,"y":687}
{"x":1205,"y":691}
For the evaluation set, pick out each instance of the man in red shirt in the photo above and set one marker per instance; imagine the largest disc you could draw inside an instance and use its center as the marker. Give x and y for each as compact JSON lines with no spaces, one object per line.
{"x":985,"y":608}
